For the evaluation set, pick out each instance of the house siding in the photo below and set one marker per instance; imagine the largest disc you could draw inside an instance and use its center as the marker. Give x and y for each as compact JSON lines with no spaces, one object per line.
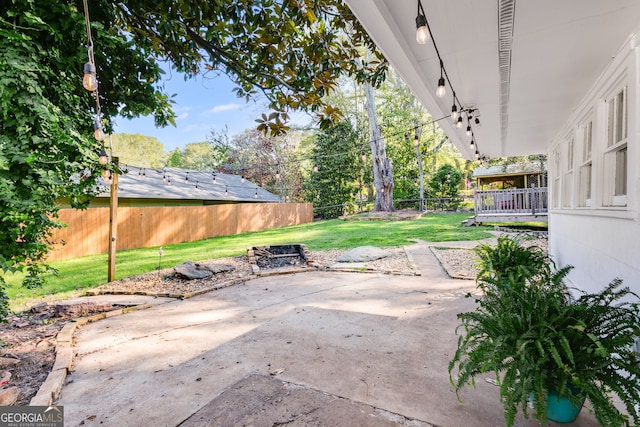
{"x":600,"y":237}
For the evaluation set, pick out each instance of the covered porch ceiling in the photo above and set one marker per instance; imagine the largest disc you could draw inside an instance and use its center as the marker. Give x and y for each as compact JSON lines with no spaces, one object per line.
{"x":525,"y":65}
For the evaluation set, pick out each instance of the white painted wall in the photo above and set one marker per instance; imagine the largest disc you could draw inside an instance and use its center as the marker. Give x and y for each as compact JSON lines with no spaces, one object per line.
{"x":601,"y":242}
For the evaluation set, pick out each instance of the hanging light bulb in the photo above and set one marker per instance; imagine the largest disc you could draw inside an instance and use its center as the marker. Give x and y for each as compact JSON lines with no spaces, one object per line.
{"x":422,"y":32}
{"x":168,"y":180}
{"x":477,"y":154}
{"x":98,"y":133}
{"x":226,"y":190}
{"x":441,"y":90}
{"x":196,"y":185}
{"x":468,"y":129}
{"x":416,"y":137}
{"x":277,"y":174}
{"x":454,"y":112}
{"x":364,"y":157}
{"x":242,"y":179}
{"x":214,"y":178}
{"x":459,"y":122}
{"x":164,"y":177}
{"x":256,"y":195}
{"x":89,"y":80}
{"x":102,"y":157}
{"x":315,"y":168}
{"x":478,"y":121}
{"x":186,"y":178}
{"x":472,"y":143}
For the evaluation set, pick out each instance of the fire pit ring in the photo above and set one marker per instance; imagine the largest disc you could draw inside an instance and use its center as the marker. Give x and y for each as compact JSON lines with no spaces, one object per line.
{"x":291,"y":256}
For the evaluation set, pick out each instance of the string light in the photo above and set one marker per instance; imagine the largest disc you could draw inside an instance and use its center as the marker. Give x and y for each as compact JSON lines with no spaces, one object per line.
{"x":454,"y":109}
{"x":102,"y":157}
{"x":441,"y":90}
{"x":89,"y":80}
{"x":98,"y":134}
{"x":456,"y":115}
{"x":459,"y":122}
{"x":422,"y":32}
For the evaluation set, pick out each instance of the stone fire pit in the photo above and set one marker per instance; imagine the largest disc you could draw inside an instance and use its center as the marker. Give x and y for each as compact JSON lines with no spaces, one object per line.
{"x":280,"y":257}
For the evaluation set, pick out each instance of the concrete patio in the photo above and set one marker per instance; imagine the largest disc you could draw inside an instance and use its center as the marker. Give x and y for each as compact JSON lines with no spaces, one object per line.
{"x":319,"y":348}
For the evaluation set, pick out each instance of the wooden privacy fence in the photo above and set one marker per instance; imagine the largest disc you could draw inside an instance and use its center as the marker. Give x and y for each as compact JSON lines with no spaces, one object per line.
{"x":87,"y":231}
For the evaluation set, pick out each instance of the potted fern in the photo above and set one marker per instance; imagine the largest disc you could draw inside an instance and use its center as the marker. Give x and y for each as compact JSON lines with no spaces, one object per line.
{"x":546,"y":346}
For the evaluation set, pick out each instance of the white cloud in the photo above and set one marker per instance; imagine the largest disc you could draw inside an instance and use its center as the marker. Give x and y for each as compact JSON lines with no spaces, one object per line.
{"x":182,"y":116}
{"x":224,"y":107}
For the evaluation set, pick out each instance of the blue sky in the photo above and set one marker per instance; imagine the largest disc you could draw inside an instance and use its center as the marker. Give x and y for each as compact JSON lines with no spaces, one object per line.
{"x":202,"y":105}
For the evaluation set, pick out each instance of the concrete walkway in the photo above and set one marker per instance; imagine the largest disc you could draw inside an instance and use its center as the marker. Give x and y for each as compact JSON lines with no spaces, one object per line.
{"x":319,"y":348}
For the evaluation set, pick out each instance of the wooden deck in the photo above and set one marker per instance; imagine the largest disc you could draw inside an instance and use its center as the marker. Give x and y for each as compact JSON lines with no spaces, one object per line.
{"x":513,"y":205}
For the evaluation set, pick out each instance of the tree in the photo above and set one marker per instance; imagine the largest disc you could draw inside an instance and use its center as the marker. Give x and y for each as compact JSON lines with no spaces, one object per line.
{"x":200,"y":156}
{"x":47,"y":151}
{"x":138,"y":150}
{"x":272,"y":162}
{"x":445,"y":184}
{"x":291,"y":52}
{"x":333,"y":182}
{"x":287,"y":51}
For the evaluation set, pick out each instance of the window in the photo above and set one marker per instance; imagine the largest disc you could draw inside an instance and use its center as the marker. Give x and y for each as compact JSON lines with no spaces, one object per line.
{"x":584,"y":185}
{"x":615,"y":156}
{"x":556,"y":178}
{"x":567,"y":184}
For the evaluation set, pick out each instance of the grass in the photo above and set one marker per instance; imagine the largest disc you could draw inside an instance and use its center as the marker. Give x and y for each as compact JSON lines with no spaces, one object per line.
{"x":91,"y":271}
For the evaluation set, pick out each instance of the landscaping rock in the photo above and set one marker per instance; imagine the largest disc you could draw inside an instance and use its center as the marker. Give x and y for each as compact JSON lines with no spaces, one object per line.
{"x":217,"y":268}
{"x":363,"y":254}
{"x":39,"y":308}
{"x":9,"y":396}
{"x":8,"y":361}
{"x":79,"y":309}
{"x":192,"y":270}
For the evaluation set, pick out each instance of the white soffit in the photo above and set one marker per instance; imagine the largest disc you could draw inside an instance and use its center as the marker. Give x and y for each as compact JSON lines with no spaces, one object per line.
{"x":558,"y":50}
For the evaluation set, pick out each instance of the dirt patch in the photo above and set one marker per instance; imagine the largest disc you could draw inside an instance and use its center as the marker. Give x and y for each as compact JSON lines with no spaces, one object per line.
{"x":28,"y":341}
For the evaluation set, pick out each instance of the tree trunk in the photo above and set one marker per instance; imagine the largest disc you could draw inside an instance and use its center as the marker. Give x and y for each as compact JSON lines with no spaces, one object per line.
{"x":382,"y":166}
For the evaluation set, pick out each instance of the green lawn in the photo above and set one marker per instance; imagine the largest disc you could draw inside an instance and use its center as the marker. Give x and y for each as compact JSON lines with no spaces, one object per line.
{"x":90,"y":271}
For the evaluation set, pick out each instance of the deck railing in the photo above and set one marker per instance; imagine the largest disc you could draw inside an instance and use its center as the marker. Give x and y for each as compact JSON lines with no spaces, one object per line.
{"x":513,"y":201}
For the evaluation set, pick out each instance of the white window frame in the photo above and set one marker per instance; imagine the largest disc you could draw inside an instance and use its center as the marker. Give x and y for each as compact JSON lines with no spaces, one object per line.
{"x":585,"y":181}
{"x":616,"y":139}
{"x":556,"y":178}
{"x":567,"y":184}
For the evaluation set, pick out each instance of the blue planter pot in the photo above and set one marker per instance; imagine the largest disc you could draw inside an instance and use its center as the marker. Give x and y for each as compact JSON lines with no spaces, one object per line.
{"x":560,"y":409}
